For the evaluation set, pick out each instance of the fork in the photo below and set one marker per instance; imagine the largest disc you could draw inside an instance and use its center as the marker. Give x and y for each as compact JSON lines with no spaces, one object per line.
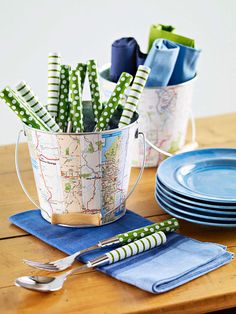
{"x":166,"y":226}
{"x":47,"y":284}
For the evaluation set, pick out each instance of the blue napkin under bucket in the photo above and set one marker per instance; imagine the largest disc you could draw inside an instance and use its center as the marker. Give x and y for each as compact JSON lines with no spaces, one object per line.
{"x":159,"y":270}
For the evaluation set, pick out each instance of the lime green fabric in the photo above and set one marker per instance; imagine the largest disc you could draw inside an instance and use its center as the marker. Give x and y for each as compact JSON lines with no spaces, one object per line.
{"x":167,"y":32}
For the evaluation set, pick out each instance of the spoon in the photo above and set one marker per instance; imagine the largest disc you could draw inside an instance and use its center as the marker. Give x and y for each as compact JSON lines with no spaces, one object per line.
{"x":46,"y":284}
{"x":43,"y":283}
{"x":168,"y":225}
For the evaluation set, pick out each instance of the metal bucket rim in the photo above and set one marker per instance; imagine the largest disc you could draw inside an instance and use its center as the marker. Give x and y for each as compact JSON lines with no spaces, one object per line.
{"x":25,"y":126}
{"x":107,"y":66}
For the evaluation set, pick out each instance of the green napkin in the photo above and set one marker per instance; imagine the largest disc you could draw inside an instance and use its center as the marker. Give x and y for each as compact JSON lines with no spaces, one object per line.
{"x":167,"y":32}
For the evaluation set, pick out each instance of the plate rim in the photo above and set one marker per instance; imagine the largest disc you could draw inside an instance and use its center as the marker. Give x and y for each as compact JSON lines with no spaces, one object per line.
{"x":196,"y":221}
{"x":221,"y":210}
{"x":192,"y":200}
{"x":211,"y":217}
{"x":185,"y":191}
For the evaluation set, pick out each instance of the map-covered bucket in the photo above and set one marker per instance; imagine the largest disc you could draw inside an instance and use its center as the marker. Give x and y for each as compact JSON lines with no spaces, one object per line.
{"x":81,"y":178}
{"x":163,"y":117}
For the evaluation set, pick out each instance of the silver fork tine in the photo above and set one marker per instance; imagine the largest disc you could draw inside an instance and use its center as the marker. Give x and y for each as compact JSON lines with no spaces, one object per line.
{"x":44,"y":268}
{"x":41,"y":265}
{"x":37,"y":263}
{"x":50,"y":264}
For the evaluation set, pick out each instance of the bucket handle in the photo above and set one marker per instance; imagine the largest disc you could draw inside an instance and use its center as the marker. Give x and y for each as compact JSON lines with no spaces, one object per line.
{"x":19,"y":174}
{"x":37,"y":205}
{"x":187,"y":147}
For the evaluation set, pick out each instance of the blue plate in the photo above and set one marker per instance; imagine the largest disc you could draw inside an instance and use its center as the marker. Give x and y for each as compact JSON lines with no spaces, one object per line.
{"x":205,"y":174}
{"x":200,"y":221}
{"x":220,"y":209}
{"x":196,"y":211}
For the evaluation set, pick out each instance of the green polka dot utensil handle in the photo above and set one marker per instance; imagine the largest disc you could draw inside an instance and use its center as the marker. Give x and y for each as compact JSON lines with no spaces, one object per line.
{"x":32,"y":101}
{"x":124,"y":82}
{"x":94,"y":89}
{"x":147,"y":243}
{"x":64,"y":105}
{"x":168,"y":225}
{"x":82,"y":68}
{"x":76,"y":99}
{"x":21,"y":109}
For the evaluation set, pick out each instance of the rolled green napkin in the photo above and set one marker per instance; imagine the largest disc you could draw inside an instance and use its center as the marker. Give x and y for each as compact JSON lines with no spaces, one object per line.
{"x":167,"y":32}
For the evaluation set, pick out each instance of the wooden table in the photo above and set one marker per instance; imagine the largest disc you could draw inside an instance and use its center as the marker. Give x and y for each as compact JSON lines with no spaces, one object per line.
{"x":94,"y":292}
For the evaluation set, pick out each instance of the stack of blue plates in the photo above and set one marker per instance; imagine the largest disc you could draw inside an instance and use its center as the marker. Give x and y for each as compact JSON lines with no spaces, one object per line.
{"x":199,"y":186}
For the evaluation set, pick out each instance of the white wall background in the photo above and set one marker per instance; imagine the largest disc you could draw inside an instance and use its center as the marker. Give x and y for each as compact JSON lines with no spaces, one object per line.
{"x":83,"y":29}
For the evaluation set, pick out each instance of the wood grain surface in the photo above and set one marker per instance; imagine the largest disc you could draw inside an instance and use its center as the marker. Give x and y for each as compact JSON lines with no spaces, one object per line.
{"x":92,"y":291}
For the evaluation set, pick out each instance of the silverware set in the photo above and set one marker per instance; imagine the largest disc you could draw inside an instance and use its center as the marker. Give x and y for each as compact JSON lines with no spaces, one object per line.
{"x":129,"y":244}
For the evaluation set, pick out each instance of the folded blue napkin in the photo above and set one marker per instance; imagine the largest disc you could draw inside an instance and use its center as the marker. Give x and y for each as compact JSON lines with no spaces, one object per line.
{"x":186,"y":65}
{"x":125,"y":57}
{"x":161,"y":60}
{"x":180,"y":260}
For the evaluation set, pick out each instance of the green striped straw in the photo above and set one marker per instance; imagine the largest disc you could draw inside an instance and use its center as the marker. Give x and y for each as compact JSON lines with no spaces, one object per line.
{"x":32,"y":101}
{"x":76,"y":99}
{"x":82,"y":68}
{"x":134,"y":95}
{"x":124,"y":81}
{"x":54,"y":68}
{"x":94,"y":89}
{"x":63,"y":107}
{"x":26,"y":115}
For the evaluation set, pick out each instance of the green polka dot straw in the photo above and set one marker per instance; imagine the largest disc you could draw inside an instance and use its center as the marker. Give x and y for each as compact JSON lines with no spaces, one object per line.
{"x":54,"y":68}
{"x":76,"y":99}
{"x":134,"y":95}
{"x":63,"y":106}
{"x":82,"y":68}
{"x":124,"y":81}
{"x":26,"y":115}
{"x":32,"y":101}
{"x":94,"y":89}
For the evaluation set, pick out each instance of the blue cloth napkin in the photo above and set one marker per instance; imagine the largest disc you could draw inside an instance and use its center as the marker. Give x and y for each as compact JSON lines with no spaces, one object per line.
{"x":125,"y":57}
{"x":161,"y":60}
{"x":180,"y":260}
{"x":186,"y":65}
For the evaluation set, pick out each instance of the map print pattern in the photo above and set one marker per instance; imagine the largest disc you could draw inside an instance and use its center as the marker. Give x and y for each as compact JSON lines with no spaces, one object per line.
{"x":163,"y":117}
{"x":86,"y":173}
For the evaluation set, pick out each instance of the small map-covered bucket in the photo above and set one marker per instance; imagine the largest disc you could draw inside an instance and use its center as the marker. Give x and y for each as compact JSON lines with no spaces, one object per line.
{"x":163,"y":117}
{"x":82,"y":178}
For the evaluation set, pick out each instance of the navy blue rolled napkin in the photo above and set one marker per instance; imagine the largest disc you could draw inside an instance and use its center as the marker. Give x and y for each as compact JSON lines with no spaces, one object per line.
{"x":159,"y":270}
{"x":186,"y":65}
{"x":125,"y":57}
{"x":161,"y":60}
